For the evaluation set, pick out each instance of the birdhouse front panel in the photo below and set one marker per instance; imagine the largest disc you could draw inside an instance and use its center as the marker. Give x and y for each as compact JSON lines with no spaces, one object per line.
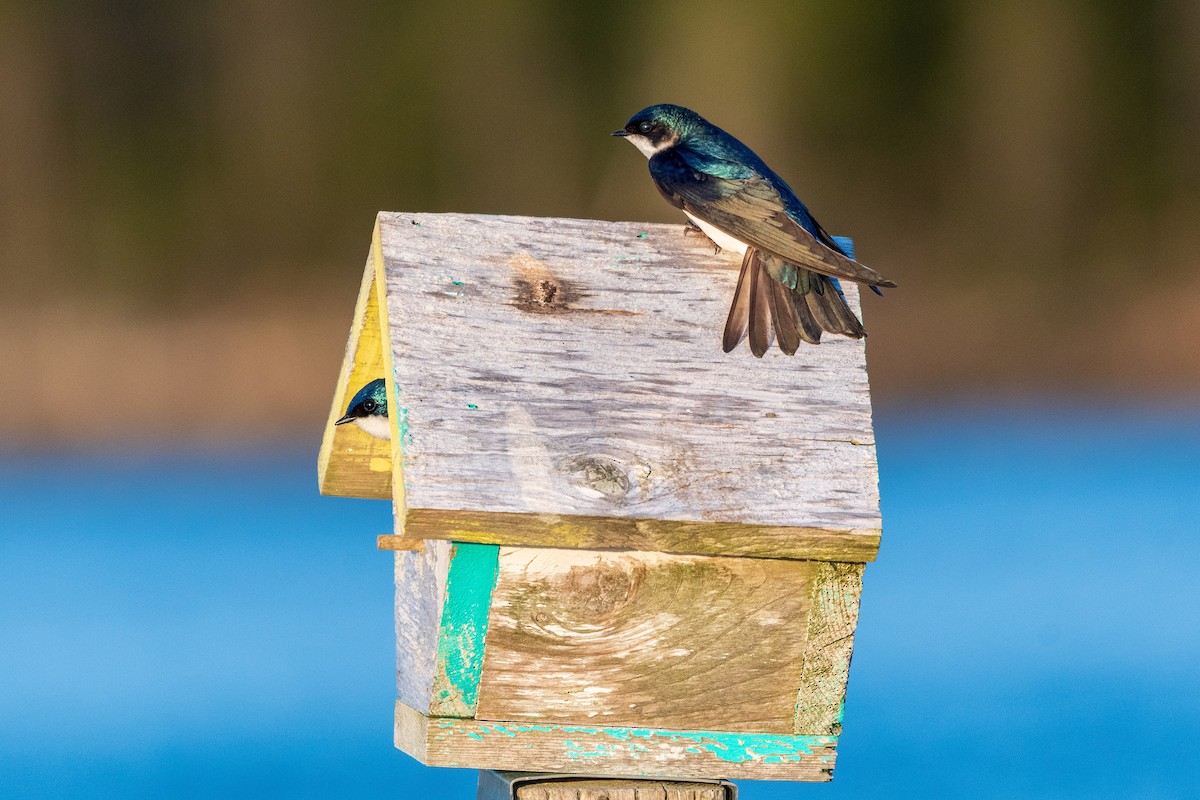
{"x":560,"y":383}
{"x":622,"y":663}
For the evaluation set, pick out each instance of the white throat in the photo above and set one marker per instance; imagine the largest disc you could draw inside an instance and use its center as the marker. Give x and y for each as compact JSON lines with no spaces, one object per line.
{"x":376,"y":425}
{"x":647,"y":147}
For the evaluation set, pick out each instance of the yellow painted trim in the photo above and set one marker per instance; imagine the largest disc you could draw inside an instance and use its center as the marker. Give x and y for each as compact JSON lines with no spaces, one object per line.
{"x":397,"y":413}
{"x":349,"y":461}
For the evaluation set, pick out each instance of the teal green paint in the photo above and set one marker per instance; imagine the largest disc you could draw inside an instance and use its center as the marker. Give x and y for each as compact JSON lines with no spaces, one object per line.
{"x":402,"y":426}
{"x":595,"y":744}
{"x":729,"y":747}
{"x":401,"y":429}
{"x":469,"y":585}
{"x":457,"y":283}
{"x":472,"y":406}
{"x":643,"y":235}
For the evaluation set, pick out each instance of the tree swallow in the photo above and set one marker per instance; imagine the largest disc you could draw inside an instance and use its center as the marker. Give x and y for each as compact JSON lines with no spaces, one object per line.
{"x":368,"y":410}
{"x":790,"y":265}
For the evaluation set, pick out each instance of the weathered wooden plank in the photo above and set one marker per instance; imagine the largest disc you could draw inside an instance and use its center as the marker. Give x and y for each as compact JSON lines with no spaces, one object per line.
{"x":667,"y":536}
{"x":621,"y":790}
{"x":352,"y":463}
{"x":501,"y":785}
{"x":389,"y":541}
{"x":619,"y":751}
{"x":420,"y":591}
{"x":573,"y":368}
{"x":646,"y":639}
{"x":829,"y":645}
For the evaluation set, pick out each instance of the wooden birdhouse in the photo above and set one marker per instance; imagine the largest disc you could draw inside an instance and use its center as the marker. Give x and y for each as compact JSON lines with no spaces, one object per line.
{"x":619,"y":550}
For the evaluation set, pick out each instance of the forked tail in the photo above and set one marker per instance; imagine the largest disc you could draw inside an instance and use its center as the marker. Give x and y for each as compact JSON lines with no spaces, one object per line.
{"x":796,"y":304}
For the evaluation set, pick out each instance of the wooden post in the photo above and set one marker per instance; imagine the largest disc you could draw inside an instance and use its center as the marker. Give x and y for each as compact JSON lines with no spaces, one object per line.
{"x":531,"y":786}
{"x":620,"y":551}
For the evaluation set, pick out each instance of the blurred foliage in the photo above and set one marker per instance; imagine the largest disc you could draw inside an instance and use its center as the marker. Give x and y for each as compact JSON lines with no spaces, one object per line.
{"x":158,"y":151}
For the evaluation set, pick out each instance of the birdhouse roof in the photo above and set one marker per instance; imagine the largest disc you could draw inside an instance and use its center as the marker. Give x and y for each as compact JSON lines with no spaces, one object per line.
{"x":561,"y":383}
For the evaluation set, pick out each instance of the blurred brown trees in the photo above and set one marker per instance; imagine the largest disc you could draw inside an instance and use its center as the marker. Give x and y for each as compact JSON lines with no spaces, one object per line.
{"x":1028,"y":172}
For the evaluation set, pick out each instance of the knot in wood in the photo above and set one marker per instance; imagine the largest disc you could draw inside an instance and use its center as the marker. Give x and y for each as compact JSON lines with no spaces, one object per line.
{"x":537,"y":289}
{"x":591,"y":595}
{"x":544,"y":295}
{"x":601,"y":476}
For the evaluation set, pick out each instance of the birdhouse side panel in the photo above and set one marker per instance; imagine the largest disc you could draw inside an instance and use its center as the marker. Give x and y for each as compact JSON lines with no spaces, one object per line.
{"x":443,"y":592}
{"x":420,"y":593}
{"x":829,"y":645}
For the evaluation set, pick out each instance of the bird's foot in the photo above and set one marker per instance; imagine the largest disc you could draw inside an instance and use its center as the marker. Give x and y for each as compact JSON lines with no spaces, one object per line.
{"x":692,"y":229}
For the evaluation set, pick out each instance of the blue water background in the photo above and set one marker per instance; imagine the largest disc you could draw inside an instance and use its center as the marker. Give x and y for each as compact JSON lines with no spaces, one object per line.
{"x":205,"y":625}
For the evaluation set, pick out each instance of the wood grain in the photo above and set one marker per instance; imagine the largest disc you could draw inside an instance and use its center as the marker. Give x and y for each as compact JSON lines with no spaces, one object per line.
{"x":420,"y":593}
{"x":829,"y":645}
{"x":352,"y":463}
{"x":573,"y":368}
{"x":500,"y":785}
{"x":389,"y":541}
{"x":620,"y":790}
{"x":667,"y":536}
{"x":617,"y":751}
{"x":646,"y":639}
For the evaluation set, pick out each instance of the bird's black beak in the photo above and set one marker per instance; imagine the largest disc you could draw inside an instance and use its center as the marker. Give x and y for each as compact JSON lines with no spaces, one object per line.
{"x":621,"y":132}
{"x":344,"y":420}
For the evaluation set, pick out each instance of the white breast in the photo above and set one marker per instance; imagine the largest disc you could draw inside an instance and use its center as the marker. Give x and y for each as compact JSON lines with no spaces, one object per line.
{"x":722,"y":239}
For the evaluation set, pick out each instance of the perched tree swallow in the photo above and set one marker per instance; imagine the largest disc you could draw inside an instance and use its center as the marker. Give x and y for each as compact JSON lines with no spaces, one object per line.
{"x":368,"y":410}
{"x":790,"y":265}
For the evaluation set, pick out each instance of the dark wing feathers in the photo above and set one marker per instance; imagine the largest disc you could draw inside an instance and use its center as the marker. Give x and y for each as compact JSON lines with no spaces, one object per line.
{"x":750,"y":209}
{"x":788,"y":282}
{"x":762,"y":305}
{"x":760,"y":311}
{"x":739,"y":310}
{"x":810,"y":329}
{"x":787,"y":336}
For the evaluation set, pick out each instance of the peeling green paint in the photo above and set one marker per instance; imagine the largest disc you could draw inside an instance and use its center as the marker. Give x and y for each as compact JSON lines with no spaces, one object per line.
{"x":472,"y":406}
{"x":587,"y":743}
{"x":402,"y":426}
{"x":469,"y":584}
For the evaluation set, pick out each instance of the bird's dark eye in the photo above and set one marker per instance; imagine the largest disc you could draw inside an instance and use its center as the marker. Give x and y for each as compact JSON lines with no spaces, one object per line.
{"x":368,"y":406}
{"x":646,"y":127}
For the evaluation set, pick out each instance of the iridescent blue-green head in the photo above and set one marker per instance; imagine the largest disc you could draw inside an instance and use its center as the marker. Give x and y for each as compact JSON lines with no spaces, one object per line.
{"x":368,"y":410}
{"x":659,"y":127}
